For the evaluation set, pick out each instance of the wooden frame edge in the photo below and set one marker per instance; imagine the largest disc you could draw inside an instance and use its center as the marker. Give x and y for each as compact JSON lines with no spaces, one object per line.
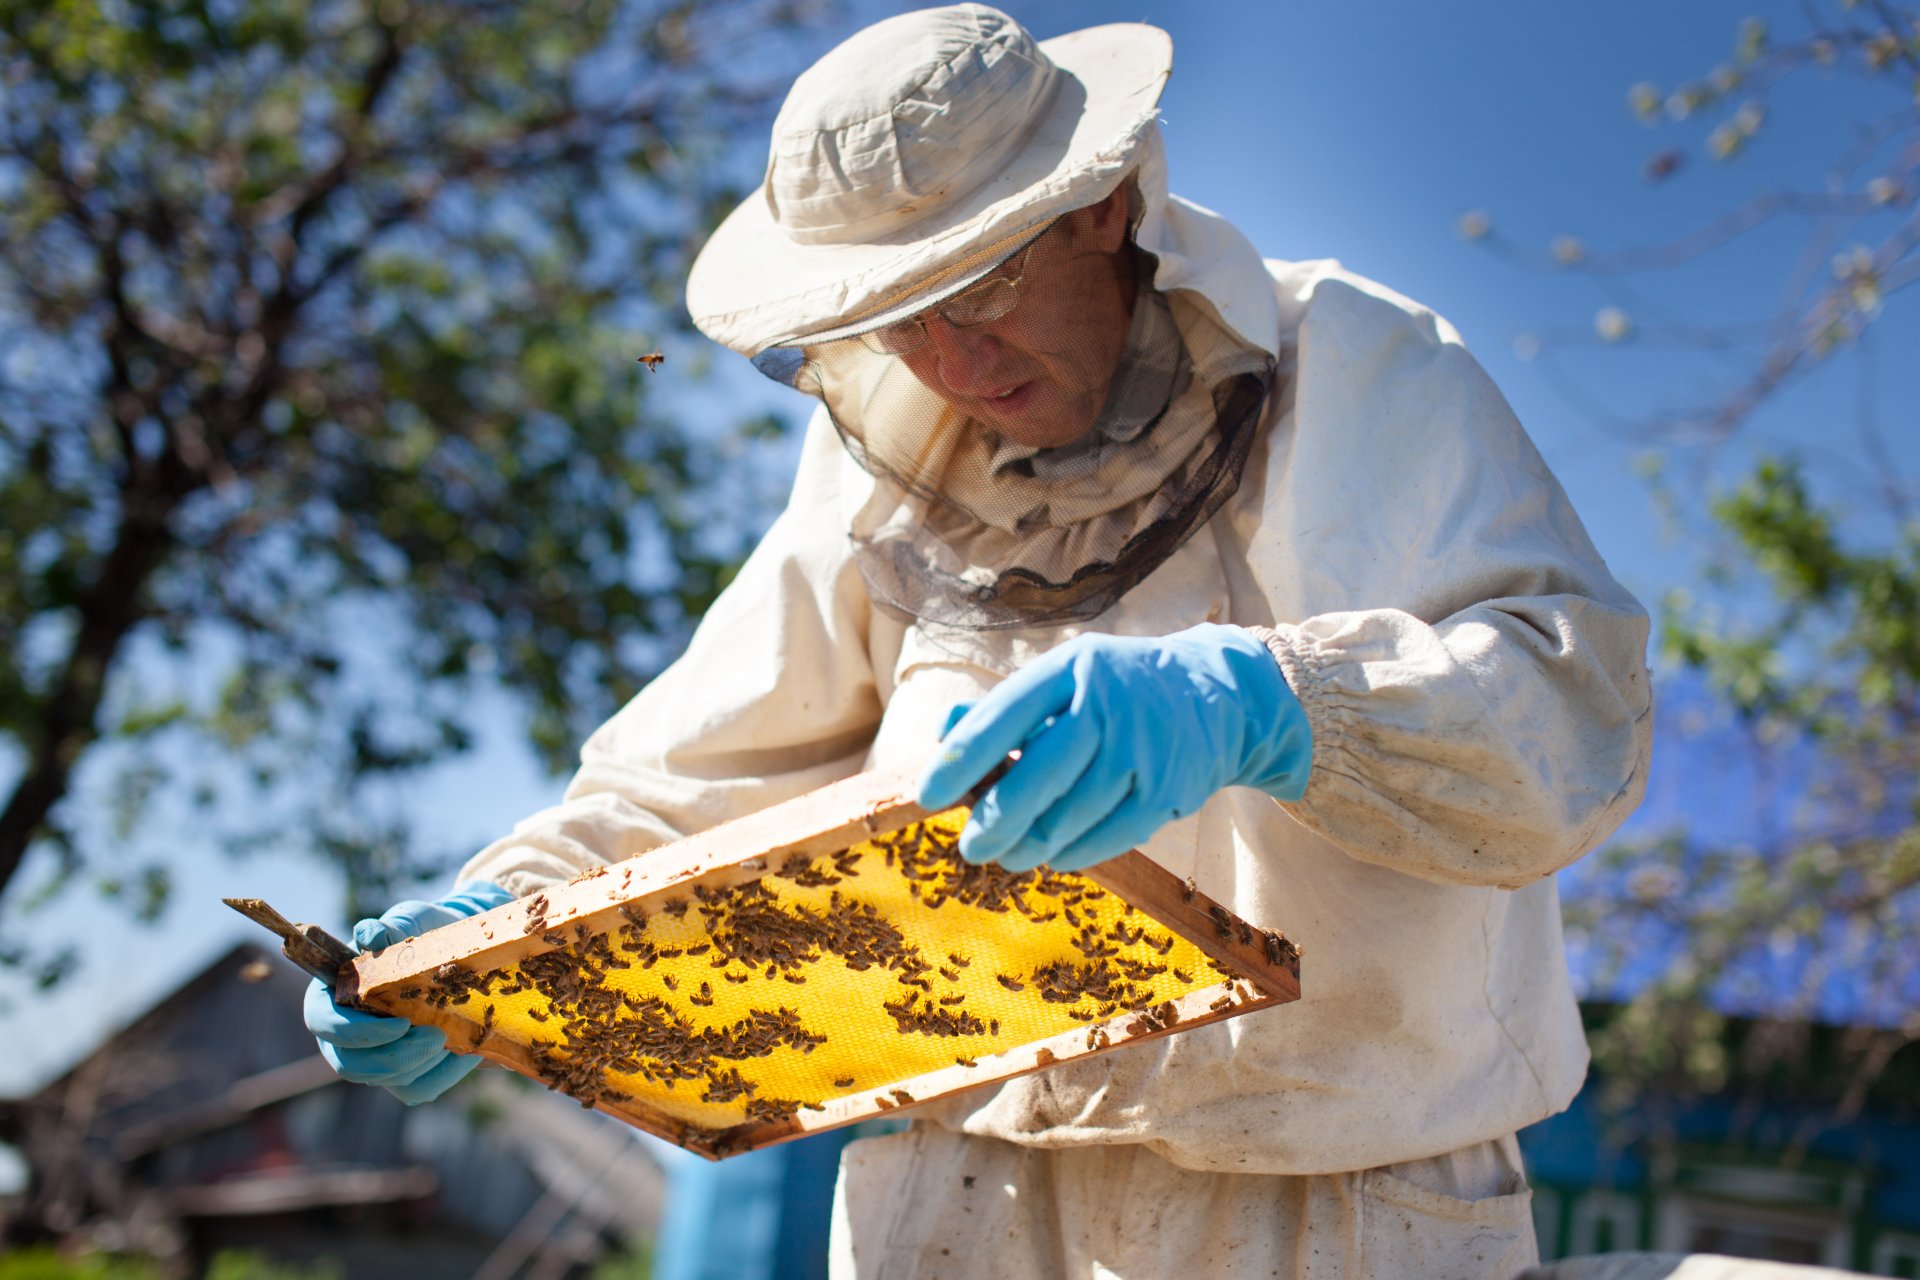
{"x":829,"y":819}
{"x":1266,"y":957}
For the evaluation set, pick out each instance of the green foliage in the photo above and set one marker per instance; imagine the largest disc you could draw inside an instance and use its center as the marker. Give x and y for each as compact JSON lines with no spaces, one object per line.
{"x":319,"y":407}
{"x":636,"y":1265}
{"x":1806,"y":627}
{"x":1823,"y":665}
{"x":231,"y":1265}
{"x":45,"y":1263}
{"x":1852,"y":616}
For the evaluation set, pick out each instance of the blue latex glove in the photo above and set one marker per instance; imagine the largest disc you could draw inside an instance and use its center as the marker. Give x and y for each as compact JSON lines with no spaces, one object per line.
{"x":1117,"y":737}
{"x":412,"y":1063}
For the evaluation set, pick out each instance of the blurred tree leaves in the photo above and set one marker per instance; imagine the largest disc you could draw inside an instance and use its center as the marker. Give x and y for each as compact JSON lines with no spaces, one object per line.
{"x":1822,"y":667}
{"x":319,"y":407}
{"x":1806,"y":627}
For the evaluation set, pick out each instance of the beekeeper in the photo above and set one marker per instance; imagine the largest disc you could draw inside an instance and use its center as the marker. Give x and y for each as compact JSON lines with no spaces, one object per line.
{"x":1253,"y":566}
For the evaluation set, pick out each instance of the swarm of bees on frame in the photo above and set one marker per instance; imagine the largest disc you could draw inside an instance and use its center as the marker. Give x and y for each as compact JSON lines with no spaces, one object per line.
{"x":598,"y":1033}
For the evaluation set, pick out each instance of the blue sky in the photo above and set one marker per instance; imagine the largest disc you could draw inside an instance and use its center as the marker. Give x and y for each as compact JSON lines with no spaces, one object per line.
{"x":1360,"y":131}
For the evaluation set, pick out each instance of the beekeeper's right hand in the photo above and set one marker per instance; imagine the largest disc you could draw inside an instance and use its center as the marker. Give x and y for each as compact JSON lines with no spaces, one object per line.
{"x":412,"y":1063}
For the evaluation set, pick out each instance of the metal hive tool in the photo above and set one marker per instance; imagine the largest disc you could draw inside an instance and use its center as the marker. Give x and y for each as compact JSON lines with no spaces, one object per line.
{"x":820,"y":962}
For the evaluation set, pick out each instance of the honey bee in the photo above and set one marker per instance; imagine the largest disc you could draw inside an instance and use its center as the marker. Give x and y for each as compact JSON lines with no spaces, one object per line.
{"x":653,"y":360}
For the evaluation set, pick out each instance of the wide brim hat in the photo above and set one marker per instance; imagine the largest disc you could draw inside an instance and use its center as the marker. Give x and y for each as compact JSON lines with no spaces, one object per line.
{"x":916,"y":156}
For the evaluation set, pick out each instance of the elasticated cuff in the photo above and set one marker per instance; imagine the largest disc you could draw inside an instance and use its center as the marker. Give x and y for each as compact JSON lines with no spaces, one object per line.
{"x":1300,"y":662}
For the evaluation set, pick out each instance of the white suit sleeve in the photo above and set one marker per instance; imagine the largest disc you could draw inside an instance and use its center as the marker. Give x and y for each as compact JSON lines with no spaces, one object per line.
{"x":774,"y":696}
{"x":1474,"y":677}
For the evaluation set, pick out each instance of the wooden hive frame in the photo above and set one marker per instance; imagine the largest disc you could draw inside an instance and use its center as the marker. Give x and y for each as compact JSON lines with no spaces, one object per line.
{"x":1257,"y":968}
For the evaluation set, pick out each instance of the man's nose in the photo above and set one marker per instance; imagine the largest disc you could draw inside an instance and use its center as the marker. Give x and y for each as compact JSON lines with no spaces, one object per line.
{"x":965,"y":357}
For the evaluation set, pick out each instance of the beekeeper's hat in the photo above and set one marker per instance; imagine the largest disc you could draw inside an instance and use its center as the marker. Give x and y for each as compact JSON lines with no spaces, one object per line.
{"x":916,"y":156}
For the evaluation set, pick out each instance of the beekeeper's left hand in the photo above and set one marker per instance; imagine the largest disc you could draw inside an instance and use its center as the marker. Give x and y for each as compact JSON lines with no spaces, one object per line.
{"x":412,"y":1063}
{"x":1118,"y":736}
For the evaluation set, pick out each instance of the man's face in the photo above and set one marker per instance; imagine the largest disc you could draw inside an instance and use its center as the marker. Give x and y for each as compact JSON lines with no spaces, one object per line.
{"x":1039,"y":374}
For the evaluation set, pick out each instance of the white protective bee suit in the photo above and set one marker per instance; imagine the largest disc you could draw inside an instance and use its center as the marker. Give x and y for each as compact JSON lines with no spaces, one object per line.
{"x":1475,"y":683}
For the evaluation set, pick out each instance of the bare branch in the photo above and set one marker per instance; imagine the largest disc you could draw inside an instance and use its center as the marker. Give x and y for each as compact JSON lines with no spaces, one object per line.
{"x":1722,"y":231}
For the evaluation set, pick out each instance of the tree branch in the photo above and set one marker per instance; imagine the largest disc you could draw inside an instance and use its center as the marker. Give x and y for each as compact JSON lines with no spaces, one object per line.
{"x":108,"y":611}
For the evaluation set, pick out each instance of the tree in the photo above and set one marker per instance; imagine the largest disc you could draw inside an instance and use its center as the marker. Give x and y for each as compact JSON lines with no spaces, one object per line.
{"x":1806,"y":622}
{"x":319,"y":400}
{"x":1818,"y":925}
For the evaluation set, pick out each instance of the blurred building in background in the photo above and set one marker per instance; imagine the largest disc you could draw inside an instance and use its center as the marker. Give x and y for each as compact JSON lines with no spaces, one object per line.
{"x":1796,"y":1158}
{"x":211,"y":1125}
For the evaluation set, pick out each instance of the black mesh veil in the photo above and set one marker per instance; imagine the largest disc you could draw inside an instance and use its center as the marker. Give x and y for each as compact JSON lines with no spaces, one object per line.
{"x":1043,"y":434}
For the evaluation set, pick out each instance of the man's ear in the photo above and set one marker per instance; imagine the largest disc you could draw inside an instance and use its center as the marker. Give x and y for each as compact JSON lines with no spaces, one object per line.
{"x":1101,"y":227}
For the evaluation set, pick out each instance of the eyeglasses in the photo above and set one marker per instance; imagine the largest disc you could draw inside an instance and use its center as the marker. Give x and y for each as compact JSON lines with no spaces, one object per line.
{"x":978,"y":304}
